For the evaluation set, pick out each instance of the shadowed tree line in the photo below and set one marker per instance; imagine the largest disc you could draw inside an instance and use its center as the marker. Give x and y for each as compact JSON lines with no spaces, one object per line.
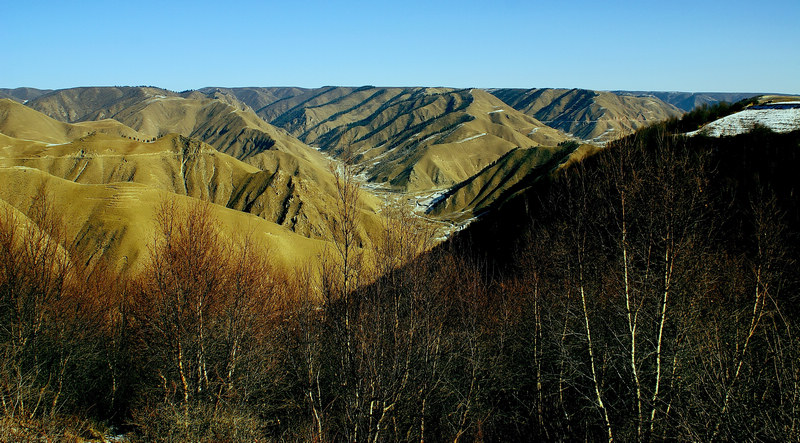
{"x":659,"y":285}
{"x":647,"y":293}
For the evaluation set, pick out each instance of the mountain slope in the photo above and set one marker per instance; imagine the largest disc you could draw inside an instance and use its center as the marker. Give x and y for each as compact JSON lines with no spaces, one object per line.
{"x":22,"y":122}
{"x":92,"y":103}
{"x":117,"y":220}
{"x":597,"y":116}
{"x":287,"y":192}
{"x":22,"y":95}
{"x":410,"y":138}
{"x":515,"y":171}
{"x":256,"y":98}
{"x":231,"y":127}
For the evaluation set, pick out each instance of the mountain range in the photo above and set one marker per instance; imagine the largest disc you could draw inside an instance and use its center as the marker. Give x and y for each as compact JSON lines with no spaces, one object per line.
{"x":271,"y":158}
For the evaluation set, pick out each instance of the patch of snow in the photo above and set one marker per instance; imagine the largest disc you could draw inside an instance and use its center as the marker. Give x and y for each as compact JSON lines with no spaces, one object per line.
{"x":778,"y":120}
{"x":429,"y":137}
{"x":496,"y":111}
{"x":156,"y":98}
{"x":472,"y":138}
{"x":426,"y":201}
{"x":533,"y":131}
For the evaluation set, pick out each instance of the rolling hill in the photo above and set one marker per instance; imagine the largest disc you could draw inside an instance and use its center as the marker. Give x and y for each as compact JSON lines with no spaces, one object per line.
{"x":21,"y":122}
{"x":117,"y":220}
{"x":285,"y":190}
{"x":22,"y":95}
{"x":228,"y":125}
{"x":284,"y":193}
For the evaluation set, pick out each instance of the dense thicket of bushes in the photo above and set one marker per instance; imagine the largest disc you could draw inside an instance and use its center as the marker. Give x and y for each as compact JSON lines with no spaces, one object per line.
{"x":648,"y":293}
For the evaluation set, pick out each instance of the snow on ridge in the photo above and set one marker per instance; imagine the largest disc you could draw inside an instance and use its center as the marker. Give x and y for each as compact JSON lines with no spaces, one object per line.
{"x":778,"y":120}
{"x":430,"y":137}
{"x":471,"y":138}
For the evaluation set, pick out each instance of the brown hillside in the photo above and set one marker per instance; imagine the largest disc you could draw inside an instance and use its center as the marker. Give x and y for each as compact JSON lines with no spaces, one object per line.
{"x":596,"y":116}
{"x":286,"y":191}
{"x":225,"y":123}
{"x":92,"y":103}
{"x":21,"y":122}
{"x":117,"y":220}
{"x":256,"y":98}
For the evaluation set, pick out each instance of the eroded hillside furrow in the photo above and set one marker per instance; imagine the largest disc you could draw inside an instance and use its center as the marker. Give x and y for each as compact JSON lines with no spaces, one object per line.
{"x":78,"y":167}
{"x":244,"y":196}
{"x":290,"y":118}
{"x":285,"y":205}
{"x":400,"y":122}
{"x":402,"y":96}
{"x":314,"y":129}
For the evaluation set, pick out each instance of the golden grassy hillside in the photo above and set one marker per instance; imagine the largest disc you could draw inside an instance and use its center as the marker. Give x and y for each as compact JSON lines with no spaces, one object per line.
{"x":596,"y":116}
{"x":92,"y":103}
{"x":21,"y":122}
{"x":117,"y":220}
{"x":286,"y":190}
{"x":223,"y":122}
{"x":109,"y":186}
{"x":256,"y":98}
{"x":22,"y":95}
{"x":405,"y":138}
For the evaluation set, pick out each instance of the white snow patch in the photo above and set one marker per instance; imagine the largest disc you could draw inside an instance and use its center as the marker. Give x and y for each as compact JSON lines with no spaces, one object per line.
{"x":778,"y":120}
{"x":472,"y":138}
{"x":496,"y":111}
{"x":156,"y":98}
{"x":533,"y":131}
{"x":429,"y":137}
{"x":423,"y":202}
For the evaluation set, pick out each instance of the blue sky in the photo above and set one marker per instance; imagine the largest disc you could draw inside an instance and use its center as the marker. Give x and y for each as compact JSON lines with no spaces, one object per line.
{"x":673,"y":45}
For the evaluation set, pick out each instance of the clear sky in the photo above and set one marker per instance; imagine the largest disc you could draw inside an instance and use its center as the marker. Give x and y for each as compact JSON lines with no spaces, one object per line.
{"x":674,"y":45}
